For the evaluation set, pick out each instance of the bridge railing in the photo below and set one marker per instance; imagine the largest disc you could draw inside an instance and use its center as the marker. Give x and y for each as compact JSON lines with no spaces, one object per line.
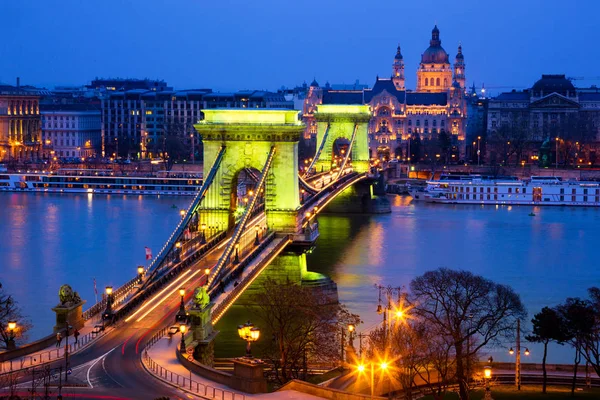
{"x":168,"y":276}
{"x":120,"y":295}
{"x":222,"y":307}
{"x":47,"y":356}
{"x":183,"y":382}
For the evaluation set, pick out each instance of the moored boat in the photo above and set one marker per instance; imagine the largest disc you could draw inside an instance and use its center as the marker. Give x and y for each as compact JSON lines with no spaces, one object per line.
{"x":101,"y":182}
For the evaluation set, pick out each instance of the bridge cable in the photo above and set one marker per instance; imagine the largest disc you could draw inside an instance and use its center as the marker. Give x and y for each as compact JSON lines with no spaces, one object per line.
{"x":241,"y":226}
{"x":168,"y":246}
{"x":318,"y":153}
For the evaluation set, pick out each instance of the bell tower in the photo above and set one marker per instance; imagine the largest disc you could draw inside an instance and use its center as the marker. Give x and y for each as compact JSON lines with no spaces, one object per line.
{"x":398,"y":70}
{"x":459,"y":68}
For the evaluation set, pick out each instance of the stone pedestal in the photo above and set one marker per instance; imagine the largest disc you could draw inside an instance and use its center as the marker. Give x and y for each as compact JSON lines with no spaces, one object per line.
{"x":249,"y":375}
{"x":69,"y":313}
{"x":203,"y":334}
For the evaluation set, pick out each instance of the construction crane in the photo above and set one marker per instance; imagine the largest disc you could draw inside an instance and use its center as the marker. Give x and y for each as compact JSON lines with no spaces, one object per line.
{"x":583,"y":78}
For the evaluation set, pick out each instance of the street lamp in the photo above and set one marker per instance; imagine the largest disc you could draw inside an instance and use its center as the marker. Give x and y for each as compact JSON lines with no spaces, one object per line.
{"x":256,"y":239}
{"x":351,"y":329}
{"x":478,"y":150}
{"x":182,"y":329}
{"x":109,"y":300}
{"x":12,"y":325}
{"x":182,"y":213}
{"x":487,"y":375}
{"x":181,"y":313}
{"x":383,"y":367}
{"x":140,"y":270}
{"x":249,"y":333}
{"x":517,"y":354}
{"x":202,"y":234}
{"x":236,"y":260}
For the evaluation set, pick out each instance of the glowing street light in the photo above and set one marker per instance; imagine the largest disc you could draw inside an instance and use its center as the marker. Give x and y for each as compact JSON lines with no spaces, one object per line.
{"x":383,"y":367}
{"x":182,"y":213}
{"x":487,"y":374}
{"x":140,"y":271}
{"x":108,"y":313}
{"x":12,"y":325}
{"x":202,"y":234}
{"x":181,"y":316}
{"x":182,"y":329}
{"x":236,"y":259}
{"x":249,"y":333}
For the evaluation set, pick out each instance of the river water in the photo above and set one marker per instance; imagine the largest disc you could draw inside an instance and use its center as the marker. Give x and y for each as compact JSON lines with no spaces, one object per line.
{"x":47,"y":240}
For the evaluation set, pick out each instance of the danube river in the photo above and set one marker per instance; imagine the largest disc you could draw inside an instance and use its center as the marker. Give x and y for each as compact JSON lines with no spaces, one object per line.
{"x":47,"y":240}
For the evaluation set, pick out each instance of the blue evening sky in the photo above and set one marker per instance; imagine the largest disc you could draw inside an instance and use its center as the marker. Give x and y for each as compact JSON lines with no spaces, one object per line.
{"x":264,"y":44}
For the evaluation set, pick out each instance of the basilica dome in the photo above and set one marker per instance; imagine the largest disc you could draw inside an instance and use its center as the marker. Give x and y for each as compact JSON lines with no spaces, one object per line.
{"x":435,"y":53}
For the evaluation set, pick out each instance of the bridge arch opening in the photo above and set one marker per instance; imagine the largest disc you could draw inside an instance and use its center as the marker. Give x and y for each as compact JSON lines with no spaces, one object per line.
{"x":339,"y":151}
{"x":243,"y":187}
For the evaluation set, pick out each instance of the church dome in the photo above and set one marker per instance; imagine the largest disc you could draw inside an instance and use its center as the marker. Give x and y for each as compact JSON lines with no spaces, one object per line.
{"x":398,"y":54}
{"x":435,"y":53}
{"x":553,"y":84}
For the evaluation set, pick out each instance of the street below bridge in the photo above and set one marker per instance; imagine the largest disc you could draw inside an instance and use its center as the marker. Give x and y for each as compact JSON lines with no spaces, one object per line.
{"x":112,"y":365}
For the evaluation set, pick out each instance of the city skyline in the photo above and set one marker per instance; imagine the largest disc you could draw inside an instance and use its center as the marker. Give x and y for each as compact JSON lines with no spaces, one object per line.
{"x":283,"y":45}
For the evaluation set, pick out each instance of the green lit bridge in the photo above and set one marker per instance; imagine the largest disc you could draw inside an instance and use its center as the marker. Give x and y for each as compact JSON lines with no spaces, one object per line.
{"x":255,"y":205}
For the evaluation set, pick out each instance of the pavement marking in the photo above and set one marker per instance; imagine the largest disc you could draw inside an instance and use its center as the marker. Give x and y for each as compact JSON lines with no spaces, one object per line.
{"x":109,"y":375}
{"x":94,"y":363}
{"x":156,"y":297}
{"x":165,"y":297}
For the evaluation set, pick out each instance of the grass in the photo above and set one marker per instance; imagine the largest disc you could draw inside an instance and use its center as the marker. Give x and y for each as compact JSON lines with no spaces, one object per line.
{"x":533,"y":392}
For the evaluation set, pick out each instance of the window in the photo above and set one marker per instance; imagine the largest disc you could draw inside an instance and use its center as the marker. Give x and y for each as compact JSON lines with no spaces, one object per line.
{"x":426,"y":81}
{"x":437,"y":82}
{"x":509,"y":190}
{"x":418,"y":122}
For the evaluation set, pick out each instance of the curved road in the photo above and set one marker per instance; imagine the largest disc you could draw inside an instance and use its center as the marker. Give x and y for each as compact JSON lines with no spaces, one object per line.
{"x":111,"y":367}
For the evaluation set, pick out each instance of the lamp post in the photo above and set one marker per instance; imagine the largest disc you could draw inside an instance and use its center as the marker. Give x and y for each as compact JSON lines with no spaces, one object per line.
{"x":182,"y":213}
{"x":202,"y":234}
{"x":181,"y":313}
{"x":12,"y":325}
{"x":556,"y":155}
{"x":351,"y":329}
{"x":478,"y":151}
{"x":487,"y":375}
{"x":108,"y":313}
{"x":382,"y":366}
{"x":236,"y":259}
{"x":207,"y":273}
{"x":249,"y":333}
{"x":256,"y":239}
{"x":140,"y":271}
{"x":518,"y":356}
{"x":182,"y":329}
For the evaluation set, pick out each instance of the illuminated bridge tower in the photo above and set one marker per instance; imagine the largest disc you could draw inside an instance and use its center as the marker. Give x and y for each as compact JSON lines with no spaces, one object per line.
{"x":349,"y":122}
{"x":249,"y":136}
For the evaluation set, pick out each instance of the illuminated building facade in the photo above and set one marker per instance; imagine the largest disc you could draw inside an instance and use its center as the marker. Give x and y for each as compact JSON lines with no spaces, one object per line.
{"x":70,"y":130}
{"x":20,"y":132}
{"x":437,"y":106}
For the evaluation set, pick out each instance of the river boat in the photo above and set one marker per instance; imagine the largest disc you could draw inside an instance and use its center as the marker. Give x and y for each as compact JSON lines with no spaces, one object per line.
{"x":536,"y":191}
{"x":435,"y":188}
{"x":101,"y":182}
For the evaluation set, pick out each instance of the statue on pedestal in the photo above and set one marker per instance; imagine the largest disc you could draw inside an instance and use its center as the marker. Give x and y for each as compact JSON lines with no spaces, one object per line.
{"x":68,"y":311}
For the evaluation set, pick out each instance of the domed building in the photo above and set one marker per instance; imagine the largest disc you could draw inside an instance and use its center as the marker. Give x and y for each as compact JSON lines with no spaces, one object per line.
{"x":437,"y":106}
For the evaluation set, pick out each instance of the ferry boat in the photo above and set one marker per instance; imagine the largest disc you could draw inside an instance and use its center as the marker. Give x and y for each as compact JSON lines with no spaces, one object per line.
{"x":101,"y":182}
{"x":538,"y":191}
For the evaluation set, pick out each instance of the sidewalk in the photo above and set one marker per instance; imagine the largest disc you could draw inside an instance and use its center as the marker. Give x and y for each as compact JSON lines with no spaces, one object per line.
{"x":163,"y":354}
{"x":53,"y":353}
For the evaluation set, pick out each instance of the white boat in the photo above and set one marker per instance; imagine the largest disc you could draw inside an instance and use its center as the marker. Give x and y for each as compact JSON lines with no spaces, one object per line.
{"x":437,"y":188}
{"x":100,"y":182}
{"x":538,"y":191}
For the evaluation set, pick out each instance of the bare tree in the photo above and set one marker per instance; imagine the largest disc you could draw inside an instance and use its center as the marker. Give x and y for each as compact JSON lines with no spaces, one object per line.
{"x":579,"y":318}
{"x":464,"y":308}
{"x":10,"y":311}
{"x":304,"y":323}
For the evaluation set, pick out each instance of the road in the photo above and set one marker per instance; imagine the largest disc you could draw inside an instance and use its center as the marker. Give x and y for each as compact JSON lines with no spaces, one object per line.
{"x":112,"y":366}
